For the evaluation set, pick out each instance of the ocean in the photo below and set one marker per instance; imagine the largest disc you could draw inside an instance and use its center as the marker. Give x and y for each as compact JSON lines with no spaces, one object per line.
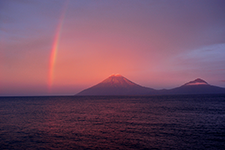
{"x":113,"y":122}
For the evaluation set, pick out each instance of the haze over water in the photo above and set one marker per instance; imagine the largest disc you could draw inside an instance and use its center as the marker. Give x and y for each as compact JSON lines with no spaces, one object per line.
{"x":154,"y":122}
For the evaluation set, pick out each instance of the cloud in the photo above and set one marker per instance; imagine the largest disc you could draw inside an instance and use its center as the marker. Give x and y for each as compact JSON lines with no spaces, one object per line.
{"x":203,"y":56}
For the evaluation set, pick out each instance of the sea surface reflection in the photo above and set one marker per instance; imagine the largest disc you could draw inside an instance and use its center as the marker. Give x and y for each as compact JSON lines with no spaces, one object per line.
{"x":154,"y":122}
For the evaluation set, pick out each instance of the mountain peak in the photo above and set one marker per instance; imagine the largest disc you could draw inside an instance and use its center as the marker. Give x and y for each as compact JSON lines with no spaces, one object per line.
{"x":197,"y":81}
{"x":116,"y":75}
{"x":116,"y":80}
{"x":116,"y":84}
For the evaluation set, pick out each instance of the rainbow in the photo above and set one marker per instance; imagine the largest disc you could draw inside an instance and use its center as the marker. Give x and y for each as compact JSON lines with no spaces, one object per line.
{"x":55,"y":46}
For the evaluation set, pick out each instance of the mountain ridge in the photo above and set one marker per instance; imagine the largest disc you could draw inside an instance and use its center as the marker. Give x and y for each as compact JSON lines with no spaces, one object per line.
{"x":116,"y":84}
{"x":197,"y":81}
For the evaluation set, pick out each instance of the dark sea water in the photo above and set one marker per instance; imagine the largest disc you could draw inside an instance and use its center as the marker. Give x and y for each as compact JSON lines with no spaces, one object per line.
{"x":154,"y":122}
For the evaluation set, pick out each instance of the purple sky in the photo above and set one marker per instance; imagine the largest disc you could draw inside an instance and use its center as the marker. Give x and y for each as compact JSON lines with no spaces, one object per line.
{"x":154,"y":43}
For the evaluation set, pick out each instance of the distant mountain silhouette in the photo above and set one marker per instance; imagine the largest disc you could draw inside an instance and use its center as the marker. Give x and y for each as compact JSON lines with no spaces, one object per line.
{"x":117,"y":85}
{"x":198,"y":86}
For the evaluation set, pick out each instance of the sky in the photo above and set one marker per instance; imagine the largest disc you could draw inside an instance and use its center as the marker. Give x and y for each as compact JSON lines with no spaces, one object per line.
{"x":58,"y":47}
